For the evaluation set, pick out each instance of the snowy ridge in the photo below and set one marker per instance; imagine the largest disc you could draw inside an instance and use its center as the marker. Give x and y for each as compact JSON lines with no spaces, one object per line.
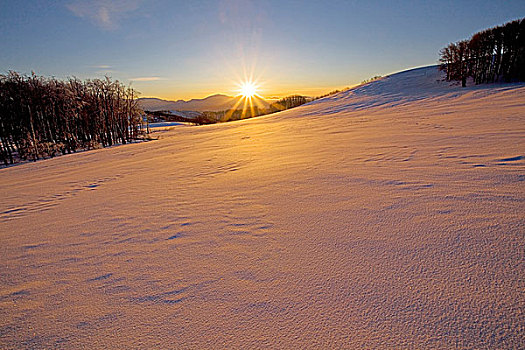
{"x":389,"y":216}
{"x":424,"y":84}
{"x":392,"y":90}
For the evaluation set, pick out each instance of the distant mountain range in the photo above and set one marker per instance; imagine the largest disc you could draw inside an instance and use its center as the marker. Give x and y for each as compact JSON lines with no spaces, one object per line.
{"x":211,"y":103}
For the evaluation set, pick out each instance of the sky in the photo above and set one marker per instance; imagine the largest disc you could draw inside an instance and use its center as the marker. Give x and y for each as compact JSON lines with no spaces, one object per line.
{"x":192,"y":49}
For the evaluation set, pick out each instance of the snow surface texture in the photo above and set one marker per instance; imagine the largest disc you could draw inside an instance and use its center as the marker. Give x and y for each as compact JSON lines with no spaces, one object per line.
{"x":387,"y":216}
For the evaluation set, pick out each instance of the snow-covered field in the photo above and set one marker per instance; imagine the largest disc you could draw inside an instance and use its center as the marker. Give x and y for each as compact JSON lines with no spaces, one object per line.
{"x":387,"y":216}
{"x":165,"y":124}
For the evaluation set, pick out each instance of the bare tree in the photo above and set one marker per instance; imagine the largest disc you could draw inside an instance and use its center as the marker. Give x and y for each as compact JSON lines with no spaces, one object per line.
{"x":491,"y":55}
{"x":42,"y":117}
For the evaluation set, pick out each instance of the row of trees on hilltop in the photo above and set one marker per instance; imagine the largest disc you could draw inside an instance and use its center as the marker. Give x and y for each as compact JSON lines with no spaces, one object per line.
{"x":495,"y":54}
{"x":287,"y":103}
{"x":43,"y":117}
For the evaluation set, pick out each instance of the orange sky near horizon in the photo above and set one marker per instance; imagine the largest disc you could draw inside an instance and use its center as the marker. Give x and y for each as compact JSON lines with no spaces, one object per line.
{"x":167,"y":91}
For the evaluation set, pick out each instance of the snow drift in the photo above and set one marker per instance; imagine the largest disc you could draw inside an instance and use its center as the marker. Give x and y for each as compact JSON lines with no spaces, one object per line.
{"x":386,"y":216}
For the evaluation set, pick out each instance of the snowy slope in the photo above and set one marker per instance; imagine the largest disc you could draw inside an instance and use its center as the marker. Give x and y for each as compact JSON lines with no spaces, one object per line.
{"x":387,"y":216}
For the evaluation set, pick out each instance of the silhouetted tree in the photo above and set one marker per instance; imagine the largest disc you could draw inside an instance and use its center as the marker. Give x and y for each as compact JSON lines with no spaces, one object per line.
{"x":42,"y":117}
{"x":491,"y":55}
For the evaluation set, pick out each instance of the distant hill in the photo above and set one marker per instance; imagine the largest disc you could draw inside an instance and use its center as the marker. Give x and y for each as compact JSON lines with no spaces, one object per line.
{"x":211,"y":103}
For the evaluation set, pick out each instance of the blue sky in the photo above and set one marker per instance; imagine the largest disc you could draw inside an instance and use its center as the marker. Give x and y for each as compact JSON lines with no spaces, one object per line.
{"x":192,"y":49}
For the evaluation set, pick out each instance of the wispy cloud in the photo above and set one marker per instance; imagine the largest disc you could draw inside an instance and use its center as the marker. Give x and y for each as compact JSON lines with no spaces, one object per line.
{"x":106,"y":14}
{"x":147,"y":79}
{"x":102,"y":69}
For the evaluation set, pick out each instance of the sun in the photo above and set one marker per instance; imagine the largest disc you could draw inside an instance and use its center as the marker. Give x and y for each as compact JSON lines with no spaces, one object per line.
{"x":248,"y":101}
{"x":248,"y":89}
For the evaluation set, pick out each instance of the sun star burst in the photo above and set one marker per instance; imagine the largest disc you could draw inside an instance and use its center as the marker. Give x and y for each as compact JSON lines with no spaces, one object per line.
{"x":248,"y":89}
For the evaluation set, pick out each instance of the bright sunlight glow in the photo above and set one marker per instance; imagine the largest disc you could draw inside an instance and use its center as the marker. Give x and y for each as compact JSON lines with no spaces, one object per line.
{"x":248,"y":89}
{"x":250,"y":100}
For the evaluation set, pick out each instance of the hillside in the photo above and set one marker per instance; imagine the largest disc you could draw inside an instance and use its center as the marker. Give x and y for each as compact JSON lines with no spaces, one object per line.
{"x":210,"y":103}
{"x":387,"y":216}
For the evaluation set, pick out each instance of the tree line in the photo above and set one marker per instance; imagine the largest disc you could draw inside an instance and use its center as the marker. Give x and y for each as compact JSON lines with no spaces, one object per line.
{"x":495,"y":54}
{"x":44,"y":117}
{"x":211,"y":117}
{"x":287,"y":103}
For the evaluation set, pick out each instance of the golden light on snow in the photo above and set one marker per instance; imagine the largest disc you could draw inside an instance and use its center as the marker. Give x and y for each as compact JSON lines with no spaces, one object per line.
{"x":385,"y":218}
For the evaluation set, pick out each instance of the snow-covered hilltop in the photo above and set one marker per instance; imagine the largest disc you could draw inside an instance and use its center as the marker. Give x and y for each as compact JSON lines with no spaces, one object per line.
{"x":426,"y":85}
{"x":386,"y":216}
